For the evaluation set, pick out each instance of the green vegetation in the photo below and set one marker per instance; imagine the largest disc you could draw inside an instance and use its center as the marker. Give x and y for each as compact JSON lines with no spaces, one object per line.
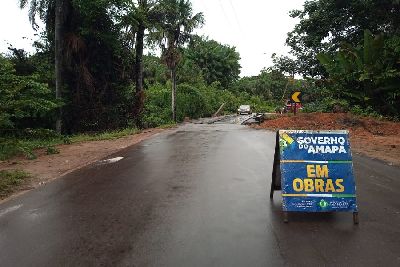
{"x":216,"y":62}
{"x":30,"y":140}
{"x":167,"y":126}
{"x":367,"y":74}
{"x":9,"y":180}
{"x":350,"y":50}
{"x":195,"y":102}
{"x":21,"y":97}
{"x":108,"y":135}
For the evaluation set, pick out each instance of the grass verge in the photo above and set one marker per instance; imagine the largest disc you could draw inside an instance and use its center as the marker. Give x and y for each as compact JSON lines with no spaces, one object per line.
{"x":9,"y":180}
{"x":167,"y":126}
{"x":111,"y":135}
{"x":11,"y":147}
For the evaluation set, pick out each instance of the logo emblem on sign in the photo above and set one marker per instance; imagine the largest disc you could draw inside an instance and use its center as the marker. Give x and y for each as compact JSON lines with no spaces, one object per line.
{"x":323,"y":204}
{"x":285,"y":141}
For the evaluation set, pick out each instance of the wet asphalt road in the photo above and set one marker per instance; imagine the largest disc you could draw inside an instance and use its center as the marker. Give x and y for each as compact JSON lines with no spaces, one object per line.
{"x":196,"y":196}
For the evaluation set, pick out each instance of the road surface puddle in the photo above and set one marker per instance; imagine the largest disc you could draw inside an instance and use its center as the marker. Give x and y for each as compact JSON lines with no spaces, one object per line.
{"x":112,"y":160}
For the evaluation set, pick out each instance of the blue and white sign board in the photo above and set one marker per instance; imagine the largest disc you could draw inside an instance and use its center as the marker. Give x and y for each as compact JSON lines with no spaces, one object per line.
{"x":316,"y":171}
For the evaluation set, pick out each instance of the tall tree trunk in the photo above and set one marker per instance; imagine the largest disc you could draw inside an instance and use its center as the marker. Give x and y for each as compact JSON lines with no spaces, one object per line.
{"x":58,"y":57}
{"x":139,"y":98}
{"x":139,"y":58}
{"x":173,"y":79}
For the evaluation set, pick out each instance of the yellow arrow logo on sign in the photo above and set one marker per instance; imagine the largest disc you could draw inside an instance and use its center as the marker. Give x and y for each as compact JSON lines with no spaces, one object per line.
{"x":287,"y":138}
{"x":295,"y":97}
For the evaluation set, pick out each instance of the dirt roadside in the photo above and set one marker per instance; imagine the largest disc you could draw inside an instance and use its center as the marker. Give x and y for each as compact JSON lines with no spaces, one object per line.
{"x":71,"y":157}
{"x":368,"y":136}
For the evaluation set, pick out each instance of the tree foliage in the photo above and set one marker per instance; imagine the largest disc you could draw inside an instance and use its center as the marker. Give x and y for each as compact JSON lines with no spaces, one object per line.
{"x":368,"y":73}
{"x":333,"y":42}
{"x":22,"y":98}
{"x":216,"y":62}
{"x":269,"y":85}
{"x":325,"y":24}
{"x":284,"y":64}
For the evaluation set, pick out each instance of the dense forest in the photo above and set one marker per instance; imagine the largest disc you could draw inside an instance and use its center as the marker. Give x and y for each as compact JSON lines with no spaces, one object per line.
{"x":103,"y":65}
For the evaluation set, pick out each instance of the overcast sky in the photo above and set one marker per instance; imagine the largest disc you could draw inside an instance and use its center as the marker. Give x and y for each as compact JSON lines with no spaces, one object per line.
{"x":257,"y":28}
{"x":14,"y":25}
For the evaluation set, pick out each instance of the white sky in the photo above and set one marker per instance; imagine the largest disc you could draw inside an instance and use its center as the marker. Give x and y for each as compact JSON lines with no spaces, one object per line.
{"x":257,"y":28}
{"x":14,"y":25}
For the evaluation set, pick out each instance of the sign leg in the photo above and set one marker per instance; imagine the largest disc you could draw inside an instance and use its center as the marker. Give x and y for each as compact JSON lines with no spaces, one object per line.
{"x":355,"y":217}
{"x":271,"y":192}
{"x":275,"y":169}
{"x":285,"y":217}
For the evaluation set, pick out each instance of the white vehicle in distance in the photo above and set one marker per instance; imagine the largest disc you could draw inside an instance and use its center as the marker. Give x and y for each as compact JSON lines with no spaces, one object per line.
{"x":244,"y":109}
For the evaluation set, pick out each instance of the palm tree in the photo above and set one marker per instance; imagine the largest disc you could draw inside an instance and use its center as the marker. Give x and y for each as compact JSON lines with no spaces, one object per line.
{"x":174,"y":30}
{"x":43,"y":9}
{"x":142,"y":17}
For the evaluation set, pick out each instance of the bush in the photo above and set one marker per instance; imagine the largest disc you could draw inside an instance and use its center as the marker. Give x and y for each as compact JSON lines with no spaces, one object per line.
{"x":327,"y":104}
{"x":52,"y":150}
{"x":157,"y":106}
{"x":22,"y":98}
{"x":195,"y":101}
{"x":358,"y":110}
{"x":191,"y":103}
